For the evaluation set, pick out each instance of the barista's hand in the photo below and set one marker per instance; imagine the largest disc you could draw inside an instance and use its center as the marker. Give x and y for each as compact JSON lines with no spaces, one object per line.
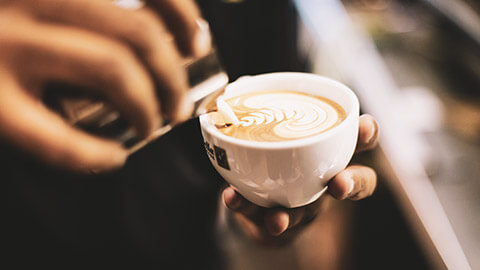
{"x":120,"y":55}
{"x":270,"y":224}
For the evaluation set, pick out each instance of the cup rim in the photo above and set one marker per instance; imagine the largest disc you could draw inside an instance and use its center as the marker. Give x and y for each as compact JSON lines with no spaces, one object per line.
{"x":354,"y":111}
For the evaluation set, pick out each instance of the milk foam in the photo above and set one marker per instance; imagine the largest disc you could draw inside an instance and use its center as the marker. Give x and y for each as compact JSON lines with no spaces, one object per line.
{"x":282,"y":115}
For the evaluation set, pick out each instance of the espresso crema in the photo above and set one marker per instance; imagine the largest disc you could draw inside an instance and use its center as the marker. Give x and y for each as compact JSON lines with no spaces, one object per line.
{"x":281,"y":115}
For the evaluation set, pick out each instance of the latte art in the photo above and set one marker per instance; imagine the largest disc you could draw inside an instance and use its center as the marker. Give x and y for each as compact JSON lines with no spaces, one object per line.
{"x":281,"y":115}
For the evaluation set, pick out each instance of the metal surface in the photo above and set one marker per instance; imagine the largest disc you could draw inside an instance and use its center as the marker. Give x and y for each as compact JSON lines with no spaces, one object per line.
{"x":206,"y":79}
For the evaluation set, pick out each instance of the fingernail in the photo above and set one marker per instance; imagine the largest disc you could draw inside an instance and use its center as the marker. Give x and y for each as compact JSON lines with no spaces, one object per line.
{"x":158,"y":122}
{"x":371,"y":135}
{"x":185,"y":110}
{"x":203,"y":39}
{"x":350,"y":185}
{"x":278,"y":223}
{"x":119,"y":158}
{"x":371,"y":129}
{"x":231,"y":199}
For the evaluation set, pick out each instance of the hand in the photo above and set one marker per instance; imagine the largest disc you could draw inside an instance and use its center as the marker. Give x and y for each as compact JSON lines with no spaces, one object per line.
{"x":120,"y":55}
{"x":273,"y":225}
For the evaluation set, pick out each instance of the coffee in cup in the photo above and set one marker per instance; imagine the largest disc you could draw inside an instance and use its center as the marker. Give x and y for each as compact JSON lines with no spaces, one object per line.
{"x":294,"y":132}
{"x":273,"y":116}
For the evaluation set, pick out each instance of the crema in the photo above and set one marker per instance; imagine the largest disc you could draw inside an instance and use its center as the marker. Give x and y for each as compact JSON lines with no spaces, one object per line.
{"x":281,"y":115}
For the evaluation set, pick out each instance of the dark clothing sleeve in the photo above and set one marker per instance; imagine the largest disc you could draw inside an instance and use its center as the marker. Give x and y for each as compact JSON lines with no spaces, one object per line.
{"x":157,"y":211}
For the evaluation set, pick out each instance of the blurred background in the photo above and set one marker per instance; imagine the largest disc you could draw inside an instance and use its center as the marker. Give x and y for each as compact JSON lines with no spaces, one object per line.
{"x":415,"y":65}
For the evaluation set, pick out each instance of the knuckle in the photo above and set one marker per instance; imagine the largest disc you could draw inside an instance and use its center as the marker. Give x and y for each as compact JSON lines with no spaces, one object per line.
{"x":142,"y":30}
{"x":114,"y":63}
{"x":10,"y":38}
{"x":120,"y":69}
{"x":144,"y":19}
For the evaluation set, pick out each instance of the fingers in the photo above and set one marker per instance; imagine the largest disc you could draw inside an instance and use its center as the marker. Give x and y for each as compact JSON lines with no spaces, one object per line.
{"x":234,"y":201}
{"x":183,"y":19}
{"x":140,"y":29}
{"x":258,"y":222}
{"x":355,"y":182}
{"x":29,"y":125}
{"x":85,"y":59}
{"x":277,"y":222}
{"x":367,"y":133}
{"x":271,"y":221}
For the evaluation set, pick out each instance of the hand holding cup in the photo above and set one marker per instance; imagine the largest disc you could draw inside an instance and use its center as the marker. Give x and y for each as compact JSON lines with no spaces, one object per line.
{"x":267,"y":225}
{"x":296,"y":134}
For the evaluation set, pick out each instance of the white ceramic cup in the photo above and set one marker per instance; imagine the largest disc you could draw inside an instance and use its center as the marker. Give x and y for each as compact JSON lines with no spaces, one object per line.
{"x":289,"y":173}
